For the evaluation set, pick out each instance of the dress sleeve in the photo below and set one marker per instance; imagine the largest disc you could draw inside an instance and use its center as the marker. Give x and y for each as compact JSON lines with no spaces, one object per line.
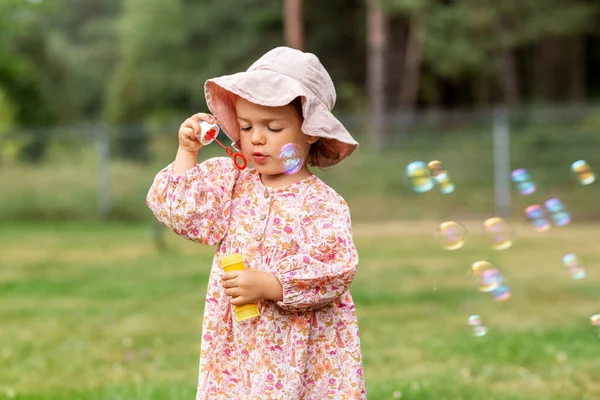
{"x":196,"y":204}
{"x":325,"y":265}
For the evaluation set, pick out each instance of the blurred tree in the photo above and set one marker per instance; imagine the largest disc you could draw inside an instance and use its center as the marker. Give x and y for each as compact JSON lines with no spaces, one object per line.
{"x":8,"y":150}
{"x":294,"y":23}
{"x":377,"y":40}
{"x":82,"y":42}
{"x":416,"y":13}
{"x":21,"y":79}
{"x":343,"y":50}
{"x":136,"y":61}
{"x":481,"y":38}
{"x":23,"y":56}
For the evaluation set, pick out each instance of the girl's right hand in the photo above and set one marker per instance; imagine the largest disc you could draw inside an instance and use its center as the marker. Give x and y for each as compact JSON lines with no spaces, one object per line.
{"x":189,"y":132}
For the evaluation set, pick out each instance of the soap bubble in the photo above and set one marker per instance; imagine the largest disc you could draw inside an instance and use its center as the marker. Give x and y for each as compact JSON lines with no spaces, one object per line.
{"x":574,"y":265}
{"x":537,"y":217}
{"x":501,"y":293}
{"x":583,"y":172}
{"x":435,"y":168}
{"x":490,"y":280}
{"x":498,"y":232}
{"x":523,"y":181}
{"x":595,"y":322}
{"x":418,"y":177}
{"x":444,"y":182}
{"x":488,"y":275}
{"x":290,"y":158}
{"x":452,"y":235}
{"x":475,"y":322}
{"x":441,"y":176}
{"x":558,"y":212}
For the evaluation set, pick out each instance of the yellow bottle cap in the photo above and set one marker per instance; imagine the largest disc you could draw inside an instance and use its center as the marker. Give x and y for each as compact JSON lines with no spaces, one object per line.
{"x":231,"y":259}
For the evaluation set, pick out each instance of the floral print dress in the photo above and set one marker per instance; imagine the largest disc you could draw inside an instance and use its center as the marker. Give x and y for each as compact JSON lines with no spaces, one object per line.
{"x":305,"y":346}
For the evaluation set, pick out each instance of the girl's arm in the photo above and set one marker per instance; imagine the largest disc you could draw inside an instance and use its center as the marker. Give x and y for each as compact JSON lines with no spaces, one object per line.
{"x":190,"y":199}
{"x":196,"y":203}
{"x":184,"y":160}
{"x":326,"y":264}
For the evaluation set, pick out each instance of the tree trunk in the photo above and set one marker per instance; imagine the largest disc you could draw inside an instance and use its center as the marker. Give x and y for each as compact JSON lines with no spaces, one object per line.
{"x":577,"y":83}
{"x":376,"y":37}
{"x":394,"y":61}
{"x":293,"y":23}
{"x":411,"y":72}
{"x":546,"y":67}
{"x":508,"y":77}
{"x":482,"y":92}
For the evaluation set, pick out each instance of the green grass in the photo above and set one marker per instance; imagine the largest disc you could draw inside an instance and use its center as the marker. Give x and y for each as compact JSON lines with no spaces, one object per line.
{"x":91,"y":311}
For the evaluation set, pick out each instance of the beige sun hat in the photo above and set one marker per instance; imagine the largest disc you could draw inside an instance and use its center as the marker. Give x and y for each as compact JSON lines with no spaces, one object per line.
{"x":275,"y":79}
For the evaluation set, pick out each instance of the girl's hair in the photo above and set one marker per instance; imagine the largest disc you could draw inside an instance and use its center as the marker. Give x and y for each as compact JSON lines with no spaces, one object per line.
{"x":319,"y":155}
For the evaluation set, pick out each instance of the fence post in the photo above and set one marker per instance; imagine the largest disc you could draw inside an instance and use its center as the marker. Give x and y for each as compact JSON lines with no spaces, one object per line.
{"x":502,"y":186}
{"x":103,"y":153}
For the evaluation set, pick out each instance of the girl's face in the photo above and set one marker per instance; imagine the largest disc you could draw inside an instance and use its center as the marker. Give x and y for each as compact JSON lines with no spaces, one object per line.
{"x":263,"y":132}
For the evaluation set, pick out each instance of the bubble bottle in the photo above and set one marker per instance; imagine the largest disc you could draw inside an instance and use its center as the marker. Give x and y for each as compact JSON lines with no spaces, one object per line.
{"x":235,"y":262}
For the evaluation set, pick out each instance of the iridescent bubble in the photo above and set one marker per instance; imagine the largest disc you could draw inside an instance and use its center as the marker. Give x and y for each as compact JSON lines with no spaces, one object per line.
{"x":498,"y":232}
{"x":418,"y":177}
{"x":574,"y":265}
{"x":558,"y":212}
{"x":435,"y":167}
{"x":444,"y":182}
{"x":501,"y":293}
{"x":583,"y":172}
{"x":523,"y":181}
{"x":290,"y":158}
{"x":595,"y":322}
{"x":490,"y":280}
{"x":452,"y":235}
{"x":537,"y":217}
{"x":441,"y":176}
{"x":480,"y":331}
{"x":475,"y":322}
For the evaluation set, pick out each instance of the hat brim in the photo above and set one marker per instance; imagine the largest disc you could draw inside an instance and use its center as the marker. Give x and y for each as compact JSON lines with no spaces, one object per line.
{"x":272,"y":89}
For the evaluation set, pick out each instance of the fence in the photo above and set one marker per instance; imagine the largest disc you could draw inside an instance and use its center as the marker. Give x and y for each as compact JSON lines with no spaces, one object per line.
{"x":96,"y":171}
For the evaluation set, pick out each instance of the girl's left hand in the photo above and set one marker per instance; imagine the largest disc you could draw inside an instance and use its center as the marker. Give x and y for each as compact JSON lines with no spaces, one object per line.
{"x":250,"y":286}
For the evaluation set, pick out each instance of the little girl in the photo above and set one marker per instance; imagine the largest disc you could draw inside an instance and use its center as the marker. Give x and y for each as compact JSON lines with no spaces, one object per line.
{"x":293,"y":231}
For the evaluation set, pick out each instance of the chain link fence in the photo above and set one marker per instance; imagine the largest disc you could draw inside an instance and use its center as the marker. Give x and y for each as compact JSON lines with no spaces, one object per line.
{"x":97,"y":171}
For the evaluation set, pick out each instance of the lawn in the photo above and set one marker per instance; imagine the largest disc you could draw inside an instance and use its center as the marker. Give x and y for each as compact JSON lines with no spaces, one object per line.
{"x":96,"y":311}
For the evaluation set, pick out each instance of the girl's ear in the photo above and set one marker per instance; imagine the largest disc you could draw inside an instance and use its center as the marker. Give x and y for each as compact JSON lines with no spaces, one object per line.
{"x":312,"y":139}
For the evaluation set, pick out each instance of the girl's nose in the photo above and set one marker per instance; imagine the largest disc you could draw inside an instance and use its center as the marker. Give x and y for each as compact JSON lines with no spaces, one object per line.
{"x":257,"y":137}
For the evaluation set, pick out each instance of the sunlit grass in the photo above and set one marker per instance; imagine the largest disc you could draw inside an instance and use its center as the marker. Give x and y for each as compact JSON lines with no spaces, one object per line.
{"x":97,"y":312}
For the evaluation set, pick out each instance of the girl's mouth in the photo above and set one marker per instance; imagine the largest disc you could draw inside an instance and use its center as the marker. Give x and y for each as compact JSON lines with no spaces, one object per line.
{"x":259,"y":158}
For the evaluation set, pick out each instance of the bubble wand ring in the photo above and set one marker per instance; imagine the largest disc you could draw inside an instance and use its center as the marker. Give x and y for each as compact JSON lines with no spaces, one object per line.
{"x":238,"y":158}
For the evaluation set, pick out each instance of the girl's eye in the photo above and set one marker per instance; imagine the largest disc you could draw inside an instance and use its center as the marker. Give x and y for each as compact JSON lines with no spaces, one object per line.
{"x":246,"y":128}
{"x":275,"y":130}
